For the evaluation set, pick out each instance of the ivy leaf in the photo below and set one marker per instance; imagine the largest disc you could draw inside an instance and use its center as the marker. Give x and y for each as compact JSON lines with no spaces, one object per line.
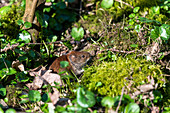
{"x":24,"y":36}
{"x":77,"y":33}
{"x":155,"y":33}
{"x":2,"y":90}
{"x":85,"y":98}
{"x":27,"y":25}
{"x":137,"y":28}
{"x":107,"y":3}
{"x":136,"y":9}
{"x":164,"y":32}
{"x":108,"y":102}
{"x":4,"y":10}
{"x":11,"y":71}
{"x":70,"y":1}
{"x":61,"y":5}
{"x":32,"y":53}
{"x":34,"y":96}
{"x":132,"y":15}
{"x":45,"y":97}
{"x":132,"y":108}
{"x":64,"y":64}
{"x":20,"y":22}
{"x":156,"y":9}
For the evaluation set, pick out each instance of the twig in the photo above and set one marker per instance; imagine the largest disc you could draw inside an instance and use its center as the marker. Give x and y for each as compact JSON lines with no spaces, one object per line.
{"x":91,"y":111}
{"x":17,"y":44}
{"x":125,"y":3}
{"x":120,"y":99}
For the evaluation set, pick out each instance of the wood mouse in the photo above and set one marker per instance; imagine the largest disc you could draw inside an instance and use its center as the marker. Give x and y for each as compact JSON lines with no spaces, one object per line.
{"x":77,"y":60}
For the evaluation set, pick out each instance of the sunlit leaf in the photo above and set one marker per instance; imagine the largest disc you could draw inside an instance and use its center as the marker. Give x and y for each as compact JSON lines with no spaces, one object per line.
{"x":164,"y":32}
{"x":132,"y":108}
{"x":20,"y":22}
{"x":85,"y":98}
{"x":136,"y":9}
{"x":10,"y":110}
{"x":133,"y":45}
{"x":64,"y":64}
{"x":108,"y":102}
{"x":137,"y":28}
{"x":107,"y":3}
{"x":4,"y":10}
{"x":24,"y":36}
{"x":77,"y":33}
{"x":2,"y":90}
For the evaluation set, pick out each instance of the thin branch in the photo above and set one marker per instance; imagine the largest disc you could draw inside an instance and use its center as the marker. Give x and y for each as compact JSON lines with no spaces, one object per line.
{"x":17,"y":44}
{"x":125,"y":3}
{"x":120,"y":99}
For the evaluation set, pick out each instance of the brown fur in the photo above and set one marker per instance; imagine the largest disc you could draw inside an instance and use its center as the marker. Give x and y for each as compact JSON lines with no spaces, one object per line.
{"x":76,"y":59}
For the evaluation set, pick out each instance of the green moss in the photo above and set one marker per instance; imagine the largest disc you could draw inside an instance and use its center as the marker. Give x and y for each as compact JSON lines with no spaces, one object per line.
{"x":113,"y":75}
{"x":9,"y":26}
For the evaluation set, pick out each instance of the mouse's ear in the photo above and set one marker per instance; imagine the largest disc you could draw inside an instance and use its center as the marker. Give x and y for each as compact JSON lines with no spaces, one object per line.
{"x":72,"y":57}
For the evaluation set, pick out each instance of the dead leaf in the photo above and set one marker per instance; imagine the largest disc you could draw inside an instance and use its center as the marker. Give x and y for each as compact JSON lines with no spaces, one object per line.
{"x":54,"y":96}
{"x":145,"y":87}
{"x":18,"y":65}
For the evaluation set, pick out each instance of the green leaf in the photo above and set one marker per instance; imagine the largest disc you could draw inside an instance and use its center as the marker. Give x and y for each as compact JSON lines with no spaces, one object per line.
{"x":31,"y":53}
{"x":2,"y":90}
{"x":136,"y":9}
{"x":99,"y":84}
{"x":22,"y":58}
{"x":108,"y":102}
{"x":85,"y":98}
{"x":61,"y":5}
{"x":11,"y":71}
{"x":164,"y":32}
{"x":1,"y":110}
{"x":156,"y":9}
{"x":27,"y":25}
{"x":137,"y":28}
{"x":132,"y":15}
{"x":4,"y":9}
{"x":77,"y":33}
{"x":158,"y":97}
{"x":19,"y":51}
{"x":22,"y":77}
{"x":10,"y":110}
{"x":45,"y":97}
{"x":131,"y":21}
{"x":155,"y":33}
{"x":20,"y":22}
{"x":24,"y":36}
{"x":64,"y":64}
{"x":34,"y":96}
{"x":132,"y":108}
{"x":107,"y":3}
{"x":133,"y":45}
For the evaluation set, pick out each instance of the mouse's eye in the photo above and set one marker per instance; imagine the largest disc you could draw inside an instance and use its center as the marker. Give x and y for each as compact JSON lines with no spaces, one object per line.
{"x":83,"y":56}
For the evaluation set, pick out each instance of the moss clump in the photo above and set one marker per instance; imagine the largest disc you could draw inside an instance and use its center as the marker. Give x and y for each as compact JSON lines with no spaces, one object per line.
{"x":9,"y":26}
{"x":113,"y":75}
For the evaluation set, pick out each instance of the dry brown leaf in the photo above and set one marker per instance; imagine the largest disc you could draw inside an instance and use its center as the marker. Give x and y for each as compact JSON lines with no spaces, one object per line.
{"x":54,"y":96}
{"x":18,"y":65}
{"x":145,"y":87}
